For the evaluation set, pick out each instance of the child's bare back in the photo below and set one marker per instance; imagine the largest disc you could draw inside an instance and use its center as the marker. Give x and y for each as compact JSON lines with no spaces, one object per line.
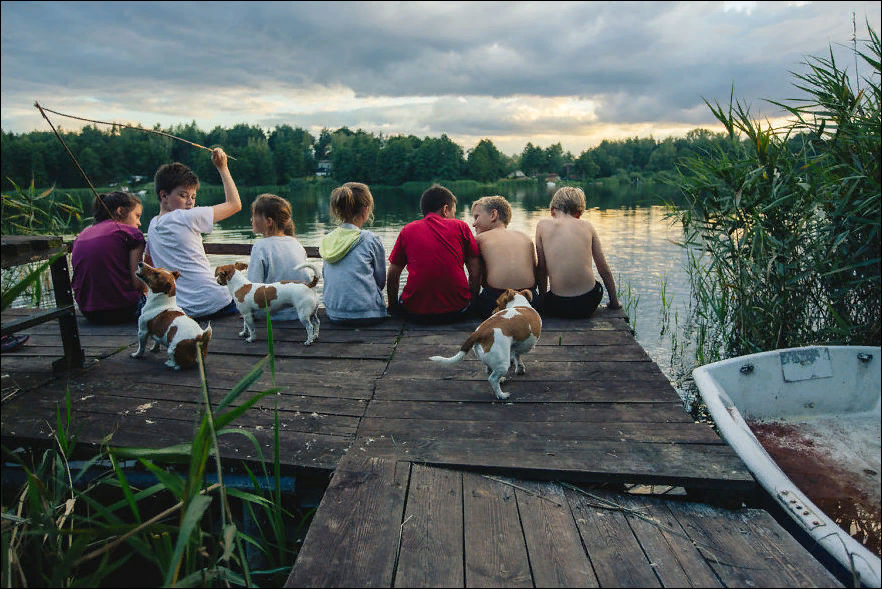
{"x":566,"y":246}
{"x":508,"y":257}
{"x":567,"y":249}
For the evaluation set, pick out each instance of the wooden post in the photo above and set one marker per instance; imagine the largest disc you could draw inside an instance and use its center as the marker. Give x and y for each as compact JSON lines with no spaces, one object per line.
{"x":74,"y":357}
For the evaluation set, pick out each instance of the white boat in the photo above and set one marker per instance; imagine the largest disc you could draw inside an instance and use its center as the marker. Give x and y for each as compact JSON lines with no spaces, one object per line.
{"x":806,"y":422}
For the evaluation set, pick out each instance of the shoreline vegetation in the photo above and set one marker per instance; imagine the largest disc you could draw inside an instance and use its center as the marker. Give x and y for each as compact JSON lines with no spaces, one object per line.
{"x":784,"y":225}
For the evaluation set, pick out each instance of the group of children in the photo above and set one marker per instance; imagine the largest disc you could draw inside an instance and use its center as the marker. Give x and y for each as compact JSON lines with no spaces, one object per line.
{"x":451,"y":273}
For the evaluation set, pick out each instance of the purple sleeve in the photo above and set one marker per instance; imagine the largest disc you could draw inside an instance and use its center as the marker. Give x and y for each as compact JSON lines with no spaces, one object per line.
{"x":135,"y":237}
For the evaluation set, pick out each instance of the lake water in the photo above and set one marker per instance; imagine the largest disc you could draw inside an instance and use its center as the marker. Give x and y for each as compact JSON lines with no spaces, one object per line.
{"x":639,"y":243}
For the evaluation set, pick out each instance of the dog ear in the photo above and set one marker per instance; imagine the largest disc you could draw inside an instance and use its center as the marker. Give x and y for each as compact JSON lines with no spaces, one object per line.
{"x":176,"y":274}
{"x":241,"y":266}
{"x":505,"y":298}
{"x":527,"y":294}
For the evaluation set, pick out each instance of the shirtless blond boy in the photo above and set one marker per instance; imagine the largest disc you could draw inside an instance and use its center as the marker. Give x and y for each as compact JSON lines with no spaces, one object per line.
{"x":567,"y":249}
{"x":508,"y":258}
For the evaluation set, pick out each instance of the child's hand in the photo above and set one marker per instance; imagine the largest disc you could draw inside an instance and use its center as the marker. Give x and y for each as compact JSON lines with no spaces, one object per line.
{"x":219,"y":158}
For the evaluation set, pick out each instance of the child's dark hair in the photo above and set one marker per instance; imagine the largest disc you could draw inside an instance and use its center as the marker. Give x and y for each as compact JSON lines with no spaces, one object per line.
{"x":348,"y":202}
{"x":104,"y":206}
{"x":170,"y":176}
{"x":276,"y":208}
{"x":434,"y":199}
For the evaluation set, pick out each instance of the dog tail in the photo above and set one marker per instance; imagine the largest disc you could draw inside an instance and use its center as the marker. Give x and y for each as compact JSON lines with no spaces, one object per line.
{"x":204,"y":337}
{"x":451,"y":360}
{"x":463,"y":350}
{"x":315,"y":272}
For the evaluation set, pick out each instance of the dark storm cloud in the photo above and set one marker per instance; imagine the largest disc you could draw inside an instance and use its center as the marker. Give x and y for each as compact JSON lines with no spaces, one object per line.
{"x":640,"y":62}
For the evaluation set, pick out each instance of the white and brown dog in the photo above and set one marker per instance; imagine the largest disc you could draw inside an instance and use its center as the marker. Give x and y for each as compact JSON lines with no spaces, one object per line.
{"x":512,"y":330}
{"x":164,"y":321}
{"x":253,"y":297}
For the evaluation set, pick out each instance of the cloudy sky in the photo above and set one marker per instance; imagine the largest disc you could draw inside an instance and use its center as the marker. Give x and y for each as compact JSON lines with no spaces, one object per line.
{"x":513,"y":72}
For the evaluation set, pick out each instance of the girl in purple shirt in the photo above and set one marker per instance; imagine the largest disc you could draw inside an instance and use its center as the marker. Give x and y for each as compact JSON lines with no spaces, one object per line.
{"x":105,"y":258}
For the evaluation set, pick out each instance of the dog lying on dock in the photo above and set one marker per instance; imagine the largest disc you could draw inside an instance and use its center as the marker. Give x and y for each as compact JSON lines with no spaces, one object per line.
{"x":512,"y":330}
{"x":251,"y":297}
{"x":165,"y":322}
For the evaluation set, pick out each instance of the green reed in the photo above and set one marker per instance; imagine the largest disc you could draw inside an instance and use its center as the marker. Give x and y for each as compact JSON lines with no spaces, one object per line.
{"x":629,"y":300}
{"x":28,"y":211}
{"x":66,"y":529}
{"x":783,"y":225}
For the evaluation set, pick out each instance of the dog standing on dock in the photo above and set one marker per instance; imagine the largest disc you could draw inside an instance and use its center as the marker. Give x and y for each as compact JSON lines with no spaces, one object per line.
{"x":512,"y":330}
{"x":251,"y":297}
{"x":164,"y":321}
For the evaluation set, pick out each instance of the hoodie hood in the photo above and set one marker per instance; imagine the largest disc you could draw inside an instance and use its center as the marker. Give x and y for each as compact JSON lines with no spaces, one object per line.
{"x":336,"y":244}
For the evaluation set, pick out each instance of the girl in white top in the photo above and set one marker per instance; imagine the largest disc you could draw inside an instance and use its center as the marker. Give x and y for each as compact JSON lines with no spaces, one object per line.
{"x":274,"y":257}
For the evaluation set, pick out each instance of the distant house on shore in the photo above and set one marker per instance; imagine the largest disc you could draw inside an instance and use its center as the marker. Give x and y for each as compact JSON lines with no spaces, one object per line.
{"x":324,"y":168}
{"x":517,"y":174}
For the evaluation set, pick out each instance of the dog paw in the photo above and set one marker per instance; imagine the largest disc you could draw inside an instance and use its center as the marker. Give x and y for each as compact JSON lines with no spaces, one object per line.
{"x":171,"y":364}
{"x":135,"y":355}
{"x":520,"y":370}
{"x":250,"y":339}
{"x":502,"y":396}
{"x":243,"y":333}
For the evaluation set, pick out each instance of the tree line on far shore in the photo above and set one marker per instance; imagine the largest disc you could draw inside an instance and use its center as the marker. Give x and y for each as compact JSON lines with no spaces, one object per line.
{"x":280,"y":155}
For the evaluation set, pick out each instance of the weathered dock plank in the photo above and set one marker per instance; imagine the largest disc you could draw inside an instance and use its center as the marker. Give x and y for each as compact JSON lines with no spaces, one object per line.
{"x":358,"y":544}
{"x":450,"y":528}
{"x":495,"y":552}
{"x":651,"y":389}
{"x":616,"y":554}
{"x":431,"y":553}
{"x":557,"y":558}
{"x":556,"y":414}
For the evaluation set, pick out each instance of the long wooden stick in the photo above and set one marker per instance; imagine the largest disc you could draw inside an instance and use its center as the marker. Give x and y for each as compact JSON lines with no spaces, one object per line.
{"x":127,"y":127}
{"x":76,"y":163}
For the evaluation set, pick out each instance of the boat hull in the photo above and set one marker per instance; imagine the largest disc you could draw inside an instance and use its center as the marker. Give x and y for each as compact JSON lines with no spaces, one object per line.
{"x":815,"y":408}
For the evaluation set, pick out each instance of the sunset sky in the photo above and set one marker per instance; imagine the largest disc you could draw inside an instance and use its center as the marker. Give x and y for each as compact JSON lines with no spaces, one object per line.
{"x":513,"y":72}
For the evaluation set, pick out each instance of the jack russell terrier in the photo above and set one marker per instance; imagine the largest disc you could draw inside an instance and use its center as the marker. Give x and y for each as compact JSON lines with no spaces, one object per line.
{"x":253,"y":297}
{"x":512,"y":330}
{"x":164,"y":321}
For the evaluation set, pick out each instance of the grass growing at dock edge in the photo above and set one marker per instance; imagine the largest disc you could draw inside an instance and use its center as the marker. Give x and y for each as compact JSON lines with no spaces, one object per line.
{"x":92,"y":527}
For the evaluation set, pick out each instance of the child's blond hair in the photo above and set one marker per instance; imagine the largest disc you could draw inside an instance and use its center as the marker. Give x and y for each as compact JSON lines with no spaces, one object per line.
{"x":569,"y":200}
{"x":495,"y":203}
{"x":348,"y":202}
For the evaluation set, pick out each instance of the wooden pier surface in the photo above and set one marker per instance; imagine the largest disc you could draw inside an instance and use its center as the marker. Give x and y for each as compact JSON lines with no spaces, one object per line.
{"x":388,"y":523}
{"x":592,"y":409}
{"x":592,"y":406}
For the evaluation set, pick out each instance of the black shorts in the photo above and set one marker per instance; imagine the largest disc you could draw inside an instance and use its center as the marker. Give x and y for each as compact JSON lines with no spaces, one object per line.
{"x":431,"y":318}
{"x":579,"y":306}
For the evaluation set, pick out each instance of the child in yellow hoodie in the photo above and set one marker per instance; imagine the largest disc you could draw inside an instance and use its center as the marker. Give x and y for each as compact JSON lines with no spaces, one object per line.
{"x":354,"y":269}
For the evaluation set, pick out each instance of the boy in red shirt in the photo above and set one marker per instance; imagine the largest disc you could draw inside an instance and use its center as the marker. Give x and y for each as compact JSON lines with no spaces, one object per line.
{"x":434,"y":250}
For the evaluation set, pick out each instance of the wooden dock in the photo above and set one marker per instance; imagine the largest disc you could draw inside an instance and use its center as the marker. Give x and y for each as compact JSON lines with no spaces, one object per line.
{"x":417,"y":451}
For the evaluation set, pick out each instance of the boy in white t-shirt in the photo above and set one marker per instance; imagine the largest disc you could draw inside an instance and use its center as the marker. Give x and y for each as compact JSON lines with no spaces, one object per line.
{"x":174,"y":238}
